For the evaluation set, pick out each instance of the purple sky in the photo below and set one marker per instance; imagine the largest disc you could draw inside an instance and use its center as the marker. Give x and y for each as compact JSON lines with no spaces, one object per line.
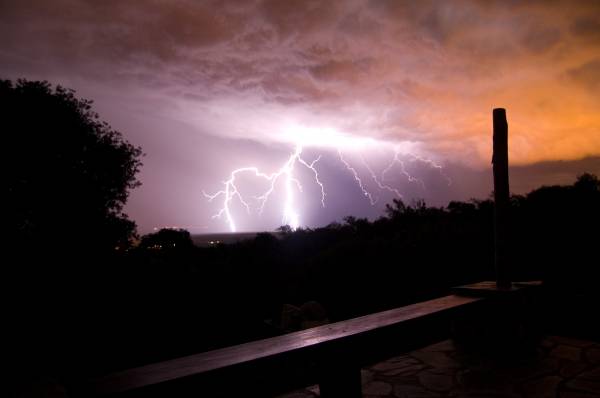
{"x":208,"y":87}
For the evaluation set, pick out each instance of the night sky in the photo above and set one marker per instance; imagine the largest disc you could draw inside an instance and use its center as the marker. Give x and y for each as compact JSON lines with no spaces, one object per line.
{"x":208,"y":87}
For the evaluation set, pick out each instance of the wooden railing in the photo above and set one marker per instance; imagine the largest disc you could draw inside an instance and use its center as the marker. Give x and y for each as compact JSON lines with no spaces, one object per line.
{"x":330,"y":355}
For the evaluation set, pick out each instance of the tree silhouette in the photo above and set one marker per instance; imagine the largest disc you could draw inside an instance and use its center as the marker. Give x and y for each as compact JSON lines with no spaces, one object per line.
{"x":69,"y":173}
{"x":167,"y":239}
{"x":396,"y":209}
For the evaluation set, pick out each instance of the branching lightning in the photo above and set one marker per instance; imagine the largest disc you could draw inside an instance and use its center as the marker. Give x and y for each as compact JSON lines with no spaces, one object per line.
{"x":357,"y":178}
{"x":434,"y":165}
{"x":286,"y":172}
{"x":284,"y":178}
{"x":397,"y":161}
{"x":379,"y":182}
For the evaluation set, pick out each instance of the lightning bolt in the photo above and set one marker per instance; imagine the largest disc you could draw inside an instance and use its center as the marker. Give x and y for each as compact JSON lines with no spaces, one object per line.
{"x":286,"y":172}
{"x":285,"y":176}
{"x":357,"y":178}
{"x":231,"y":191}
{"x":434,"y":165}
{"x":397,"y":161}
{"x":379,"y":183}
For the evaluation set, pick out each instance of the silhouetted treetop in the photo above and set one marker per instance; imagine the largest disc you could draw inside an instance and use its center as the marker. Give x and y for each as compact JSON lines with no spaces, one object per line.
{"x":69,"y":172}
{"x":588,"y":182}
{"x":167,"y":239}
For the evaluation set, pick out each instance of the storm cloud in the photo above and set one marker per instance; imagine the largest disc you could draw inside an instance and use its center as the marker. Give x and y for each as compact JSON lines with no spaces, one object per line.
{"x":204,"y":86}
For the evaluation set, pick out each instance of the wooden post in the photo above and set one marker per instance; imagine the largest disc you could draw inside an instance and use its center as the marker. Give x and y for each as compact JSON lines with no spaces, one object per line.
{"x":501,"y":197}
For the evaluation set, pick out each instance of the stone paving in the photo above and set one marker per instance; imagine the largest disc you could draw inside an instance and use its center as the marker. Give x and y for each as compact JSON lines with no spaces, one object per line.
{"x":561,"y":368}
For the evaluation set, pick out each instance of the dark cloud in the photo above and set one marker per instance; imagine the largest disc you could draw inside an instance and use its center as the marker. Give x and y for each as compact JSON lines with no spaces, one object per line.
{"x":346,"y":70}
{"x":360,"y":25}
{"x":526,"y":178}
{"x":587,"y":27}
{"x":299,"y":16}
{"x":588,"y":74}
{"x":541,"y":39}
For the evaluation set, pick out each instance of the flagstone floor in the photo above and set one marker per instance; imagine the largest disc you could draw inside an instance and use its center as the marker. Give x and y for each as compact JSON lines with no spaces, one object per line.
{"x":562,"y":368}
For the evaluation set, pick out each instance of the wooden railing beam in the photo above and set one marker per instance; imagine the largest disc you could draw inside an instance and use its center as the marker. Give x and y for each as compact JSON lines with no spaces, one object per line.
{"x":330,"y":355}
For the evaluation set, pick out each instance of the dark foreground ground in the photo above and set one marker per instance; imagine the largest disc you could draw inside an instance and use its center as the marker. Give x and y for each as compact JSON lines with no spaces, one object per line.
{"x":560,"y":368}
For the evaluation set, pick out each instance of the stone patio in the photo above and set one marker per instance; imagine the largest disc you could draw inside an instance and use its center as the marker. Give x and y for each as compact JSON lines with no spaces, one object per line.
{"x":561,"y":368}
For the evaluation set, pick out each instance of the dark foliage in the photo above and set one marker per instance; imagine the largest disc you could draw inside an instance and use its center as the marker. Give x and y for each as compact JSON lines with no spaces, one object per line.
{"x":70,"y":173}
